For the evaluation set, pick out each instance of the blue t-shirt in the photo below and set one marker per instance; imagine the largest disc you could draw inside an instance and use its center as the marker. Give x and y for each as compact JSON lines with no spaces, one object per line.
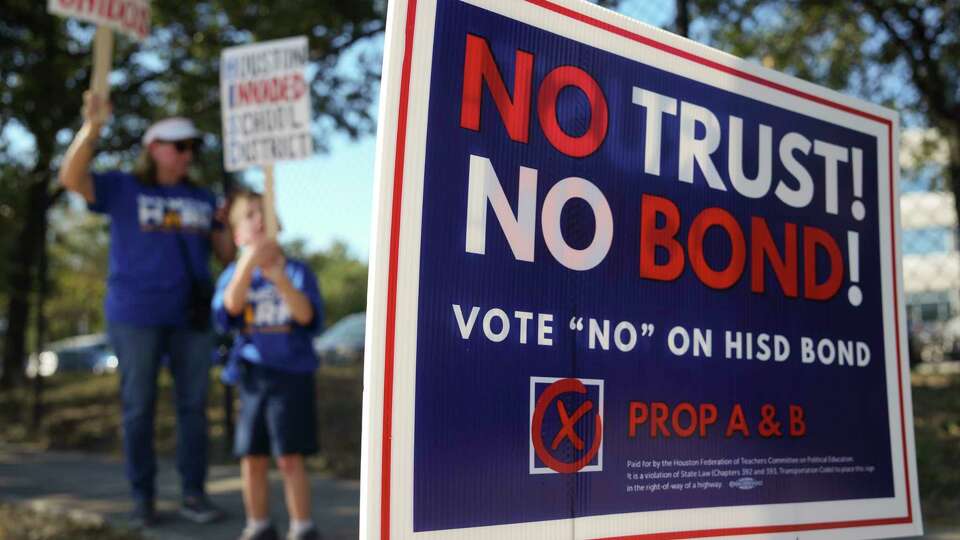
{"x":267,"y":334}
{"x":159,"y":244}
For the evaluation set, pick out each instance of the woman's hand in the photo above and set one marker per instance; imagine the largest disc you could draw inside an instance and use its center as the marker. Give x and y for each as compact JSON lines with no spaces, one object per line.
{"x":96,"y":110}
{"x":75,"y":169}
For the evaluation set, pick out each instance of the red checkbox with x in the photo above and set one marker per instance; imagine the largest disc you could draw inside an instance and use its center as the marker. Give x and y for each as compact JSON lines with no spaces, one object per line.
{"x":547,"y":401}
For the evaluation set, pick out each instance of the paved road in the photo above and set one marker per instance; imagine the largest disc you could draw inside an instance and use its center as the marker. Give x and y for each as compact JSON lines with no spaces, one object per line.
{"x":94,"y":485}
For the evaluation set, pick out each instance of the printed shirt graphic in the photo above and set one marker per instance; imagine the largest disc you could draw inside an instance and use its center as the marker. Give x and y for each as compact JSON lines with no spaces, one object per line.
{"x":268,"y":335}
{"x":159,"y":243}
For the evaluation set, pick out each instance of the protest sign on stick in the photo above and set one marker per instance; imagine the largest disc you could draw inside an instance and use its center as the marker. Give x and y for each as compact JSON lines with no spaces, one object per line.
{"x":265,"y":106}
{"x":269,"y":203}
{"x":102,"y":63}
{"x":130,"y":17}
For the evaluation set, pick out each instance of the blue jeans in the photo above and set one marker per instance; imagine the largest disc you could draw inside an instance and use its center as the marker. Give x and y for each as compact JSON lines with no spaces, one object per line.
{"x":140,"y":350}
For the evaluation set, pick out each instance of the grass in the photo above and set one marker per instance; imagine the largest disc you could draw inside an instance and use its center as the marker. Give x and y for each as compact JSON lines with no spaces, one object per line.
{"x":82,"y":412}
{"x":936,"y":408}
{"x":22,"y":523}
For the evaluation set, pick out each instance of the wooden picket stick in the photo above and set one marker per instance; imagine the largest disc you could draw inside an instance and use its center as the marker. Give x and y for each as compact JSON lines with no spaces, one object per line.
{"x":269,"y":206}
{"x":102,"y":64}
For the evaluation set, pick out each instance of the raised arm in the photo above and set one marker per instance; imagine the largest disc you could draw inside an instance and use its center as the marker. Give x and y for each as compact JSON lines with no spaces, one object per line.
{"x":235,"y":295}
{"x":75,"y":170}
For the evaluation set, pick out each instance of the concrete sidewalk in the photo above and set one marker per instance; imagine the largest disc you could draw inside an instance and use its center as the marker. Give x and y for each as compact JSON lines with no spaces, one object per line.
{"x":95,"y":486}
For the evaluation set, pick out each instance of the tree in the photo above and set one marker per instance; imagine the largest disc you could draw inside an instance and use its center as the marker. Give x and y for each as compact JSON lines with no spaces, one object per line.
{"x":44,"y":67}
{"x":77,"y":274}
{"x":903,"y":54}
{"x":341,"y":276}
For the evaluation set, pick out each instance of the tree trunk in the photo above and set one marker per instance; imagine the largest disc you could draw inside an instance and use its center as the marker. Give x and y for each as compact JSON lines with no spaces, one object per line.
{"x":952,"y":169}
{"x":683,"y":18}
{"x":41,"y":322}
{"x":20,"y":283}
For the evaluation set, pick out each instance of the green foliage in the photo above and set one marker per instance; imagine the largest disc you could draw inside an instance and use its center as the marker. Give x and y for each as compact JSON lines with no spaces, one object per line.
{"x":936,"y":408}
{"x":816,"y":42}
{"x":78,"y":275}
{"x":342,"y":278}
{"x":189,"y":37}
{"x":904,"y":55}
{"x":176,"y":71}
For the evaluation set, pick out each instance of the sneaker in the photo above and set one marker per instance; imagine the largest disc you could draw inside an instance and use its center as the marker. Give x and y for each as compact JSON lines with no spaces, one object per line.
{"x":143,"y":515}
{"x":200,"y":510}
{"x":267,"y":533}
{"x":310,"y":534}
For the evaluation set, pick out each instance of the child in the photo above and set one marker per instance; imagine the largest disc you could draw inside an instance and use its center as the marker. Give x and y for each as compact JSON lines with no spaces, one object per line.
{"x":275,"y":306}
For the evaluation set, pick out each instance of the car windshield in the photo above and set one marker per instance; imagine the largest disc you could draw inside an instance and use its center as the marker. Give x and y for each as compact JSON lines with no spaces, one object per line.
{"x":81,"y":351}
{"x":349,"y":329}
{"x":75,"y":357}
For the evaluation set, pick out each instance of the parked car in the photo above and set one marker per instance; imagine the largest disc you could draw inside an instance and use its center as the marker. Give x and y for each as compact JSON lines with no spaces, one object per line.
{"x":91,"y":353}
{"x":342,"y":343}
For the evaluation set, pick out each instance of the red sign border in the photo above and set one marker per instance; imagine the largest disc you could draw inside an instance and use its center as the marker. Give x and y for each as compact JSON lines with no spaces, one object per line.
{"x":385,"y":465}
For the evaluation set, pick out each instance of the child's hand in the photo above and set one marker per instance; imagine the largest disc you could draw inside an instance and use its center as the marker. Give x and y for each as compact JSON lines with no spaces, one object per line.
{"x":275,"y":272}
{"x":262,"y":251}
{"x":269,"y":257}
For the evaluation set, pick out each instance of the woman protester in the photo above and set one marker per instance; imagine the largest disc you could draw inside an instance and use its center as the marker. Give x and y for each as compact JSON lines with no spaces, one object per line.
{"x":162,"y":229}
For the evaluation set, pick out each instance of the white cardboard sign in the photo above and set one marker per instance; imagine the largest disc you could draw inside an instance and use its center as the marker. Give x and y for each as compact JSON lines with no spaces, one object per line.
{"x":130,"y":17}
{"x":265,"y":103}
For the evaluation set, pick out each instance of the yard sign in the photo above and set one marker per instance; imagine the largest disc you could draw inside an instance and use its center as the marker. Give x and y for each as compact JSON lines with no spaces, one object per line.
{"x":626,"y":286}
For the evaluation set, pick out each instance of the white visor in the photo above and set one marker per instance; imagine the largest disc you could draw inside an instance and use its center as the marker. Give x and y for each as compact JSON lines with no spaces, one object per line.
{"x":171,"y":129}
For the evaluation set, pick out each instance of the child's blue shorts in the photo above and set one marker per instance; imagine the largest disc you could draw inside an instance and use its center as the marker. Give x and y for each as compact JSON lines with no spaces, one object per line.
{"x":277,"y":413}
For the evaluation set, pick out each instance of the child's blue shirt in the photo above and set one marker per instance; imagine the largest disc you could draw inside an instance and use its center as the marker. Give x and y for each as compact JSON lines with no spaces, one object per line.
{"x":266,"y":332}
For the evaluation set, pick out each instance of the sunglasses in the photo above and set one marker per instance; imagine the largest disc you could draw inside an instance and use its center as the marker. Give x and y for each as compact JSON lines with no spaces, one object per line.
{"x":185,"y":145}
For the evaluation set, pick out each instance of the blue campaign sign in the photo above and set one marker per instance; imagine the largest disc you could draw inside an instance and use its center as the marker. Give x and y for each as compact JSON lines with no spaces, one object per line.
{"x":626,"y":286}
